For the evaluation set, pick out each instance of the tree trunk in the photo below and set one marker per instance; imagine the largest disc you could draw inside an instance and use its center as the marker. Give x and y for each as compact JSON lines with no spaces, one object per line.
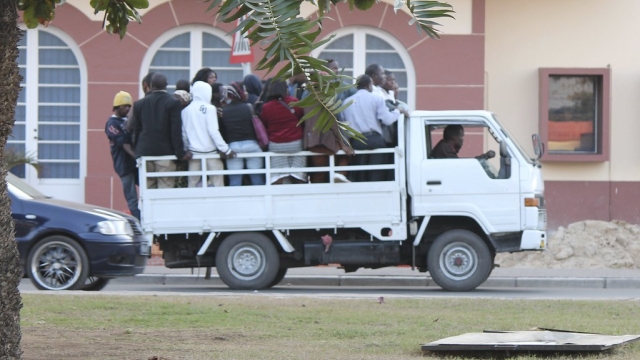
{"x":10,"y":272}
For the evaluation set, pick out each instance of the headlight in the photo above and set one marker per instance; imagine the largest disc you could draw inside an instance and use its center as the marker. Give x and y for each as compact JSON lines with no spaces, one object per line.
{"x":115,"y":227}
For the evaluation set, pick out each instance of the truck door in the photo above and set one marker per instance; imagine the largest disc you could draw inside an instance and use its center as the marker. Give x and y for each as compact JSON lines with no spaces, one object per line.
{"x":470,"y":185}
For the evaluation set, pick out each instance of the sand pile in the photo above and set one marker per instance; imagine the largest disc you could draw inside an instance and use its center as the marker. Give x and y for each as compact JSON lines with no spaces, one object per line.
{"x":586,"y":244}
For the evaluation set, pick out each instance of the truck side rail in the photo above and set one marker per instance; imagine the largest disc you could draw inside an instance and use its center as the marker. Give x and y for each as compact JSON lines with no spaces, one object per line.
{"x":377,"y":207}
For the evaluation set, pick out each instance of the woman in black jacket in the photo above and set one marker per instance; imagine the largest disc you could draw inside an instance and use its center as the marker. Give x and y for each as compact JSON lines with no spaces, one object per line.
{"x":236,"y":125}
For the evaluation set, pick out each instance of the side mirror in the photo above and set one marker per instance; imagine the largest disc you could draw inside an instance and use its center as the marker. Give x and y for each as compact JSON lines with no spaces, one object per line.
{"x":538,"y":146}
{"x":505,"y":161}
{"x":503,"y":149}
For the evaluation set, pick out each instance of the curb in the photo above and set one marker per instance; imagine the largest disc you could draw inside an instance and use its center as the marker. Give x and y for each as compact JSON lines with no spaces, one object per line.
{"x":395,"y":281}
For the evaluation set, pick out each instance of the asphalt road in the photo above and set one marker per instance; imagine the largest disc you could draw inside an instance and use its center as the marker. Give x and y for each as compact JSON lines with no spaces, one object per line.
{"x":207,"y":289}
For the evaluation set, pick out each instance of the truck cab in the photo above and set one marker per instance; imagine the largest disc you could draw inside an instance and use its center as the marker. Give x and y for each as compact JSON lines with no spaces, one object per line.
{"x":501,"y":200}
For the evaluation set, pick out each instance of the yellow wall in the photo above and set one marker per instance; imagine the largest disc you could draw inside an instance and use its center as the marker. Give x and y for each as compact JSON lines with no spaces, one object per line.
{"x":523,"y":36}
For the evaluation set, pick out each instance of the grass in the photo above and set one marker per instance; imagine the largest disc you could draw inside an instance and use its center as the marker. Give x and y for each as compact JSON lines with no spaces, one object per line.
{"x":259,"y":327}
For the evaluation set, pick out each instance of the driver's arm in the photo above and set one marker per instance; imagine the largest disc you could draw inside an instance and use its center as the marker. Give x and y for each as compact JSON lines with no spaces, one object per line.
{"x":486,"y":156}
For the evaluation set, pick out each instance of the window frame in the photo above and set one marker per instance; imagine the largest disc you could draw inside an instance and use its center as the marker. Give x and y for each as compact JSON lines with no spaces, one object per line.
{"x":360,"y":53}
{"x":195,"y":49}
{"x":32,"y":67}
{"x":603,"y":113}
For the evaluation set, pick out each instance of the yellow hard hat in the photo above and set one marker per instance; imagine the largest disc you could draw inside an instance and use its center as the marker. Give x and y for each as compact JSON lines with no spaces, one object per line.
{"x":122,"y":98}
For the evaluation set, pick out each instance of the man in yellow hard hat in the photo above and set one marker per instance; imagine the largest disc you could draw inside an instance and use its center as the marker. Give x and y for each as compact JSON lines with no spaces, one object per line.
{"x":122,"y":153}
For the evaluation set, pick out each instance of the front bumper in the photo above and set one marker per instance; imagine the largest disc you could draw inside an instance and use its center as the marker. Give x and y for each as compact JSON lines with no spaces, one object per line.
{"x":533,"y":240}
{"x":114,"y":258}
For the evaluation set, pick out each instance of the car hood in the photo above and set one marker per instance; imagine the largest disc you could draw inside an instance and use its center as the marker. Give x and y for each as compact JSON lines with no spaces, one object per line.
{"x":107,"y":214}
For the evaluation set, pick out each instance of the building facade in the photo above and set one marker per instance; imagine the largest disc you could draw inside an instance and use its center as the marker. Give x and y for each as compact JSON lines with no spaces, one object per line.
{"x":494,"y":56}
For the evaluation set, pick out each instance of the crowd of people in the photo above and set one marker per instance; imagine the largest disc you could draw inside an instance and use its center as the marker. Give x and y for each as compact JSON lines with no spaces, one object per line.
{"x":203,"y":116}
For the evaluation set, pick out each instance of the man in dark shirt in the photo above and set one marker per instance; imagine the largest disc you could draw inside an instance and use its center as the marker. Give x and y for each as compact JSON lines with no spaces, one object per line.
{"x":451,"y":143}
{"x":157,"y":126}
{"x":124,"y":162}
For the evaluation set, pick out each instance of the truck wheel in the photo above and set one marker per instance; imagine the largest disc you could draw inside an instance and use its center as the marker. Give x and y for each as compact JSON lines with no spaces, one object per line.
{"x":458,"y":260}
{"x":279,"y":276}
{"x":247,"y":261}
{"x":58,"y":263}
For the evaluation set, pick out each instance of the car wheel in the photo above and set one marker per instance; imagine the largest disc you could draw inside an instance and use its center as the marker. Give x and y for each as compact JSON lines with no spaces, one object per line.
{"x":459,"y":260}
{"x":58,"y":263}
{"x":279,"y":276}
{"x":95,"y":283}
{"x":247,"y":261}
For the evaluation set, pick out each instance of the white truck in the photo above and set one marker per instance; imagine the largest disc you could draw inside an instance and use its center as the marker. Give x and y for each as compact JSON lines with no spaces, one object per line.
{"x":446,"y":216}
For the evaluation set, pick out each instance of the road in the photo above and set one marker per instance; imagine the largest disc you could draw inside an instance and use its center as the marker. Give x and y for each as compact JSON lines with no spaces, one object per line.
{"x":207,"y":289}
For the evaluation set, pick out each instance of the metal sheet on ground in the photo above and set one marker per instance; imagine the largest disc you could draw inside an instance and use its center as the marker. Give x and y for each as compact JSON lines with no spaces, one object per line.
{"x":542,"y":340}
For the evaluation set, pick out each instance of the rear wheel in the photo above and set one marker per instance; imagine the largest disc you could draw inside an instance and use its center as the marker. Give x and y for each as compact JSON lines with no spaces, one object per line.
{"x":58,"y":263}
{"x":459,"y":260}
{"x":95,"y":283}
{"x":279,"y":276}
{"x":247,"y":261}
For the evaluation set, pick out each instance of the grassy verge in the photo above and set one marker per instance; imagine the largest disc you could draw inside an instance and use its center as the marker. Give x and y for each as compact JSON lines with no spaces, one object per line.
{"x":258,"y":327}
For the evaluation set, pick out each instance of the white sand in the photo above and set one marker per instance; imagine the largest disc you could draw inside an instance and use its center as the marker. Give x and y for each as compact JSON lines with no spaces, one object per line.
{"x":589,"y":244}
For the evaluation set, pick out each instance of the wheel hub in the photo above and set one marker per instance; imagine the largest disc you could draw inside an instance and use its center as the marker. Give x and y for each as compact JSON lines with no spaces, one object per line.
{"x":458,"y":261}
{"x":246,"y":261}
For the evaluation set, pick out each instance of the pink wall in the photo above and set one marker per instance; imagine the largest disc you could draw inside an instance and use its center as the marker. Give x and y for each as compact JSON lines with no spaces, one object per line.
{"x":571,"y":201}
{"x":450,"y":71}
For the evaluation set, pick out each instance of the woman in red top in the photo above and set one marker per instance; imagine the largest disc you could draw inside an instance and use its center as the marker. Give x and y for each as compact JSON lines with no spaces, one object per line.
{"x":285,"y":136}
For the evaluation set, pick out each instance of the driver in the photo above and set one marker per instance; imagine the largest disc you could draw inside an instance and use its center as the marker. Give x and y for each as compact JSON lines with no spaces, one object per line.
{"x":451,"y":143}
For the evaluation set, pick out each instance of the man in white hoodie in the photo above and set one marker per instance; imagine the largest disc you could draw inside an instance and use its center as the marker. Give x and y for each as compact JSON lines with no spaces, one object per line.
{"x":201,"y":134}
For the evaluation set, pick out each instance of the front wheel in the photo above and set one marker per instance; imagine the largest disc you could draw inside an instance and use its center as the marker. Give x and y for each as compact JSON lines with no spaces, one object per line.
{"x":58,"y":263}
{"x":458,"y":260}
{"x":95,"y":283}
{"x":247,"y":261}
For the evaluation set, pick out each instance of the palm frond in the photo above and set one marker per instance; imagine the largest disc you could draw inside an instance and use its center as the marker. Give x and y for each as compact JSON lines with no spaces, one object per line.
{"x":287,"y":40}
{"x":14,"y":158}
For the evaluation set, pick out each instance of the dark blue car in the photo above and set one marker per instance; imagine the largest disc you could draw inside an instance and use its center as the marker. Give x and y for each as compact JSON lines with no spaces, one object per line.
{"x":70,"y":246}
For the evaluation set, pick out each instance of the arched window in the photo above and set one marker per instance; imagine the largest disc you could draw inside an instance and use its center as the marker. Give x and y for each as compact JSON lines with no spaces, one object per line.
{"x":50,"y":116}
{"x":181,"y":52}
{"x":356,"y":47}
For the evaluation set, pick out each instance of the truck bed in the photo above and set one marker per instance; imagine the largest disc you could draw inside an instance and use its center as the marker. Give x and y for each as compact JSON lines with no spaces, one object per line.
{"x":375,"y":207}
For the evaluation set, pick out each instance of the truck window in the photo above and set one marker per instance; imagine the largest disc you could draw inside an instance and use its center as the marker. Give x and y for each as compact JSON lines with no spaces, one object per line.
{"x":465,"y":141}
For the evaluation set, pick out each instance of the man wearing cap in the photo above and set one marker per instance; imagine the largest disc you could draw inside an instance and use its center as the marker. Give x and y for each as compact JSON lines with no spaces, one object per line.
{"x":124,"y":162}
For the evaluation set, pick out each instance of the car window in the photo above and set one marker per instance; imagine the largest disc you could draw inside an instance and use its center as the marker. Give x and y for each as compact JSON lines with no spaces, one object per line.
{"x":22,"y":190}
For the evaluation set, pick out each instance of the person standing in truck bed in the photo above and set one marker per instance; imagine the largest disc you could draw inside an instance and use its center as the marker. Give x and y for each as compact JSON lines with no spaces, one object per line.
{"x":366,"y":115}
{"x":157,"y":127}
{"x":200,"y":134}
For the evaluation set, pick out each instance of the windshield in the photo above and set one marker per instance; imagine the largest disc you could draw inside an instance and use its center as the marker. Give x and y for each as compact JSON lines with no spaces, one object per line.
{"x":22,"y":190}
{"x":524,"y":153}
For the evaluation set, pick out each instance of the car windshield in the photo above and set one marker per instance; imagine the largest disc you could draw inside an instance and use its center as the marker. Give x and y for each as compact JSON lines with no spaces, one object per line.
{"x":22,"y":190}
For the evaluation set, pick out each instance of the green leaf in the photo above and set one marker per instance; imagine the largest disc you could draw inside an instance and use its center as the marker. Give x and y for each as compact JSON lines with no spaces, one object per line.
{"x":138,"y":4}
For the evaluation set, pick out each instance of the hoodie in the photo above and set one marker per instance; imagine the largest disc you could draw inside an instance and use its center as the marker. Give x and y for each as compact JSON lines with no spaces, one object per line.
{"x":200,"y":131}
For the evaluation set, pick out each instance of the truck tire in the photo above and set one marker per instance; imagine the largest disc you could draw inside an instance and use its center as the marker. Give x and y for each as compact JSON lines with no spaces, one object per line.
{"x":58,"y":263}
{"x":458,"y":260}
{"x":279,"y":276}
{"x":247,"y":261}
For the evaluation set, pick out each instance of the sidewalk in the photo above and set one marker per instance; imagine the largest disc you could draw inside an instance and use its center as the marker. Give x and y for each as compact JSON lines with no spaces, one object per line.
{"x":404,"y":276}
